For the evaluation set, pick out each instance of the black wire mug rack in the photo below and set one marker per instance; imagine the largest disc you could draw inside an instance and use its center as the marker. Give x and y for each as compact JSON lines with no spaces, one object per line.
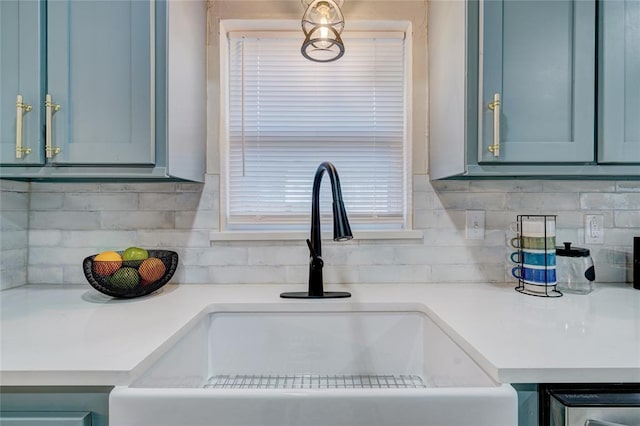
{"x":532,"y":288}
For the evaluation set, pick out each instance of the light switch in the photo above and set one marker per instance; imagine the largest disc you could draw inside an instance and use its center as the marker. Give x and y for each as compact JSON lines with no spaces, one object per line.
{"x":475,"y":225}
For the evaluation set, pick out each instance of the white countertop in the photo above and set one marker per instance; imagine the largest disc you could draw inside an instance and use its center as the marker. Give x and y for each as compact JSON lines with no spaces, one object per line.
{"x":52,"y":335}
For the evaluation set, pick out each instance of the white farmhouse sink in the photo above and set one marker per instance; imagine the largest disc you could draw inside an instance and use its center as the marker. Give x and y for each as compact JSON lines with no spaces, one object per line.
{"x":315,"y":364}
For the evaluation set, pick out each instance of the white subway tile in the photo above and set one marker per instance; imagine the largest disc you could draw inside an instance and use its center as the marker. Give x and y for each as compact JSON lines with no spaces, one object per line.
{"x":421,"y":183}
{"x":14,"y":201}
{"x":74,"y":274}
{"x":504,"y":186}
{"x":247,"y":275}
{"x":201,"y":219}
{"x":280,"y":256}
{"x":190,"y":187}
{"x":101,"y":202}
{"x":136,"y":220}
{"x":611,"y":274}
{"x":14,"y":222}
{"x":13,"y":185}
{"x":547,"y":203}
{"x":99,"y":240}
{"x":627,"y":219}
{"x":49,"y":274}
{"x":628,"y":186}
{"x":13,"y":277}
{"x":213,"y":256}
{"x":13,"y":258}
{"x":14,"y":240}
{"x":468,"y":273}
{"x":497,"y":255}
{"x":365,"y":255}
{"x":173,"y":238}
{"x":421,"y":219}
{"x":574,"y":236}
{"x":472,"y":201}
{"x":57,"y":256}
{"x":423,"y":201}
{"x":450,"y":185}
{"x":45,"y":237}
{"x":573,"y":186}
{"x":620,"y":236}
{"x":630,"y":201}
{"x":336,"y":274}
{"x":299,"y":274}
{"x":191,"y":275}
{"x":394,"y":274}
{"x":138,"y":187}
{"x":64,"y":187}
{"x":46,"y":201}
{"x":174,"y":201}
{"x":64,"y":220}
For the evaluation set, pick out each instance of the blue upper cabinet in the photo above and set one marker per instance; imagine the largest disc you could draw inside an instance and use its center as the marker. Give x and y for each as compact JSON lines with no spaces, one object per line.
{"x":538,"y":61}
{"x":117,"y":89}
{"x":100,"y":81}
{"x":619,"y":82}
{"x":20,"y":80}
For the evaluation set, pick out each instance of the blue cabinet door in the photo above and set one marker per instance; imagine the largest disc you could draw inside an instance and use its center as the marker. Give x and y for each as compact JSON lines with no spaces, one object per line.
{"x":20,"y":74}
{"x":100,"y":73}
{"x":539,"y":56}
{"x":619,"y":82}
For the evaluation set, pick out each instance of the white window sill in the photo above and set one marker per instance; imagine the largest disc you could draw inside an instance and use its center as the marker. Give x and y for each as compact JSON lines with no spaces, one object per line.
{"x":413,"y":234}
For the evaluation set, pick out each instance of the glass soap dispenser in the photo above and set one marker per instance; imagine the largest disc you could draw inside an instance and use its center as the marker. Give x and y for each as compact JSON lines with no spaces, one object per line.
{"x":576,"y":272}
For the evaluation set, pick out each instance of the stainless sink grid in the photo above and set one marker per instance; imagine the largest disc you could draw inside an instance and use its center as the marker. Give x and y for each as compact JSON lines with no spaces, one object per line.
{"x":313,"y":381}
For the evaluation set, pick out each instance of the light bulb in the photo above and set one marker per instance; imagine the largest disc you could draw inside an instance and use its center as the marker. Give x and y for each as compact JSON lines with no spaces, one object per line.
{"x":324,"y":33}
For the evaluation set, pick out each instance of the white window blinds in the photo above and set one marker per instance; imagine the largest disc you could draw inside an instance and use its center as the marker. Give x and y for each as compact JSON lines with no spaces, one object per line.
{"x":286,"y":115}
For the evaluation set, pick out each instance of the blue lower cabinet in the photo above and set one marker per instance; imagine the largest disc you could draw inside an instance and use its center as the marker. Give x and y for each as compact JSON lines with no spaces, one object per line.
{"x":54,"y":405}
{"x":527,"y":404}
{"x":44,"y":419}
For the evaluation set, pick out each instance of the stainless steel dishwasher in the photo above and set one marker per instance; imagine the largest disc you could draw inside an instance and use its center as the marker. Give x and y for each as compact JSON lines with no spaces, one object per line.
{"x":595,"y":407}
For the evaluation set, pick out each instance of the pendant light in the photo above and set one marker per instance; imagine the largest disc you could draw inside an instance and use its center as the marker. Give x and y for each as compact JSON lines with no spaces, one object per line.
{"x":322,"y":24}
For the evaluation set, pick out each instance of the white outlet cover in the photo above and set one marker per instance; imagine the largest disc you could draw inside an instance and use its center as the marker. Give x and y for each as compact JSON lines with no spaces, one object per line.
{"x":594,"y":229}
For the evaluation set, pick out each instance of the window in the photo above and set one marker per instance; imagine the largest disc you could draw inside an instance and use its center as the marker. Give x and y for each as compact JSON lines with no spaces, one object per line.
{"x":286,"y":115}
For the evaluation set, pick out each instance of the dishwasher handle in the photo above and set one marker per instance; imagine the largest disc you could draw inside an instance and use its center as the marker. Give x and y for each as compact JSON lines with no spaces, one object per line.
{"x":592,"y":422}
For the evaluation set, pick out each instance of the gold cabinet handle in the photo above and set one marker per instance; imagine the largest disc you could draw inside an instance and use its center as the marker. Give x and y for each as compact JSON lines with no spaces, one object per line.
{"x":21,"y":108}
{"x":495,"y":107}
{"x":50,"y":108}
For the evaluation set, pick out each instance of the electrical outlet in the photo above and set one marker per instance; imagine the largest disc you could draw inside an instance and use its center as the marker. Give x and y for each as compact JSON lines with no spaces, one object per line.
{"x":475,"y":225}
{"x":594,"y":229}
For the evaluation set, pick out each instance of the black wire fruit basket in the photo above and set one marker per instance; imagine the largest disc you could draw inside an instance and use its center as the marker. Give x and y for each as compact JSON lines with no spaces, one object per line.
{"x":131,"y":278}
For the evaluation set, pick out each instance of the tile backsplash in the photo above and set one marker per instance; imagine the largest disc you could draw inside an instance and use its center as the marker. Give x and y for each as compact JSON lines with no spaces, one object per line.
{"x":48,"y":228}
{"x":14,"y":221}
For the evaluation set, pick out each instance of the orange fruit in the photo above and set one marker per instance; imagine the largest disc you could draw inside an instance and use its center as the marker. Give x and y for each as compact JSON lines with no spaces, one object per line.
{"x":151,"y":269}
{"x":106,"y":263}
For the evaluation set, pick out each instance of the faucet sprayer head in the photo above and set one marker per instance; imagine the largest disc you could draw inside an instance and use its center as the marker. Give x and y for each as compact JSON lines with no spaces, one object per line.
{"x":341,"y":228}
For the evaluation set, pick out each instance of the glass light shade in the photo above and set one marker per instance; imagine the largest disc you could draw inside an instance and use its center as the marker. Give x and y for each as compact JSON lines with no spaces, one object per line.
{"x":322,"y":24}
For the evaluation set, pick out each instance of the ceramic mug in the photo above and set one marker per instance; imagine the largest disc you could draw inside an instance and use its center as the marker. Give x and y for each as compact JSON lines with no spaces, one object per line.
{"x":535,"y":226}
{"x":534,"y":257}
{"x":533,"y":243}
{"x":532,"y":274}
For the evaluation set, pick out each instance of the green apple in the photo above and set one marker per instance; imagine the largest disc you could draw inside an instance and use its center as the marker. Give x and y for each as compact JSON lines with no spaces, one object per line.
{"x":134,"y":253}
{"x":124,"y":278}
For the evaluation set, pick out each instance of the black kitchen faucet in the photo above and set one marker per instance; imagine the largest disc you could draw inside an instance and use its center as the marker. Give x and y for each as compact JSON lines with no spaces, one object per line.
{"x":341,"y":232}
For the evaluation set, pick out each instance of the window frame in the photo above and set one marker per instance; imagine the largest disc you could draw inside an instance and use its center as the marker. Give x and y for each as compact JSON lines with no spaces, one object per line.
{"x":270,"y":232}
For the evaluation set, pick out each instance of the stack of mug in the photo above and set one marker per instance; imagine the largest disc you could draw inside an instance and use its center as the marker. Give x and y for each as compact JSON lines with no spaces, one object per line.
{"x":536,"y":253}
